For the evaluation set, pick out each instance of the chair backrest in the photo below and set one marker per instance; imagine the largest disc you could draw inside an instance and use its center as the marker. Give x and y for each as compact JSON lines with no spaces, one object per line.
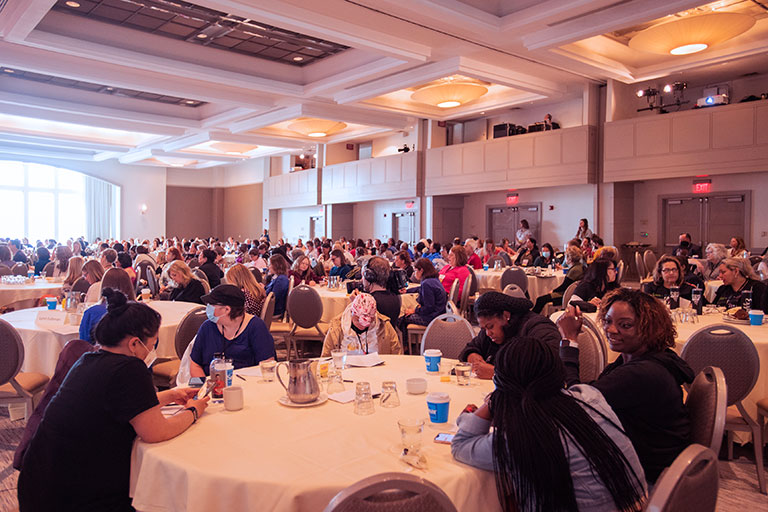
{"x":5,"y":271}
{"x":268,"y":309}
{"x":152,"y":283}
{"x":706,"y":402}
{"x":206,"y":285}
{"x":305,"y":306}
{"x":11,"y":352}
{"x":493,"y":259}
{"x":200,"y":274}
{"x":19,"y":269}
{"x":514,"y":291}
{"x":639,"y":265}
{"x":569,"y":293}
{"x":619,"y":271}
{"x":473,"y":285}
{"x":450,"y":307}
{"x":649,"y":261}
{"x":81,"y":285}
{"x":515,"y":275}
{"x":193,"y":263}
{"x":464,"y":300}
{"x":48,"y":269}
{"x":286,"y":314}
{"x":592,"y":351}
{"x":187,"y":328}
{"x":257,"y":274}
{"x":448,"y":332}
{"x":729,"y":349}
{"x":690,"y":483}
{"x":391,"y":492}
{"x":453,"y":295}
{"x":505,"y":257}
{"x":755,"y":260}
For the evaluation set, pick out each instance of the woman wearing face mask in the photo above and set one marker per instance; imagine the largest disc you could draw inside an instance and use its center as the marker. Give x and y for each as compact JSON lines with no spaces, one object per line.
{"x":575,"y":266}
{"x":80,"y":455}
{"x":241,"y":337}
{"x":360,"y":329}
{"x":546,"y":257}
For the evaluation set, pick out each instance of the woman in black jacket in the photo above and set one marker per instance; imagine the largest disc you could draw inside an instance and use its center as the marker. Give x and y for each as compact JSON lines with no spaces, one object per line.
{"x":599,"y":279}
{"x":668,"y":273}
{"x":188,"y":288}
{"x":643,"y":385}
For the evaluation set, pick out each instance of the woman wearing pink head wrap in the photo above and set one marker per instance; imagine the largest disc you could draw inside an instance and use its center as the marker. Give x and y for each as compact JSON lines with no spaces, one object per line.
{"x":360,"y":329}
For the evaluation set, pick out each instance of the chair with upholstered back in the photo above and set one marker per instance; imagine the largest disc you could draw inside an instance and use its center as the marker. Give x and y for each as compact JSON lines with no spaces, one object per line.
{"x":448,"y":332}
{"x":391,"y":492}
{"x":19,"y":269}
{"x":729,"y":349}
{"x":5,"y":271}
{"x":569,"y":293}
{"x":450,"y":307}
{"x":493,"y":259}
{"x":16,"y":387}
{"x":257,"y":274}
{"x":473,"y":285}
{"x":306,"y":309}
{"x":268,"y":309}
{"x":206,"y":285}
{"x":649,"y":262}
{"x":592,"y":351}
{"x":707,"y":403}
{"x":81,"y":285}
{"x":507,"y":260}
{"x":154,"y":288}
{"x":515,"y":275}
{"x":453,"y":295}
{"x":200,"y":275}
{"x":620,"y":267}
{"x":193,"y":263}
{"x":166,"y":371}
{"x":514,"y":291}
{"x":48,"y":269}
{"x":640,"y":266}
{"x":464,"y":297}
{"x":690,"y":483}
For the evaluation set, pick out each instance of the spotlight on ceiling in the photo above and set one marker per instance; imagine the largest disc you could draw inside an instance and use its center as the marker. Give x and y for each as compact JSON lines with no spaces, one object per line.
{"x":72,"y":4}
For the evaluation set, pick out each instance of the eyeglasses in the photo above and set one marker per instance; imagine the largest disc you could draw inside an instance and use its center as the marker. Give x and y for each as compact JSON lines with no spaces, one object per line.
{"x":668,"y":270}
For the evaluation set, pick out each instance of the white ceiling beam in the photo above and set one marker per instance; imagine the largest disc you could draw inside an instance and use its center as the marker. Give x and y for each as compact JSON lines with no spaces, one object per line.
{"x":266,"y":119}
{"x":37,"y":151}
{"x":358,"y":74}
{"x":228,"y":116}
{"x":135,"y":156}
{"x":550,"y":11}
{"x":224,"y":159}
{"x":45,"y":140}
{"x":23,"y":16}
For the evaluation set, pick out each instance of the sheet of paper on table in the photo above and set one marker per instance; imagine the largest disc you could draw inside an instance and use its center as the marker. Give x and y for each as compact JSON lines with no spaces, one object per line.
{"x":364,"y":360}
{"x":55,"y":321}
{"x":253,"y":371}
{"x":348,"y":395}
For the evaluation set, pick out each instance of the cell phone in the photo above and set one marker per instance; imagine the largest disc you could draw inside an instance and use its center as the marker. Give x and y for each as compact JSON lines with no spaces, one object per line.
{"x":196,"y":382}
{"x":444,"y":438}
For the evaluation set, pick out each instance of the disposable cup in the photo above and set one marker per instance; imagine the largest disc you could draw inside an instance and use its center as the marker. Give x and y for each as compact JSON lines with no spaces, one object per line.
{"x":432,"y":359}
{"x":438,"y":404}
{"x":755,"y":317}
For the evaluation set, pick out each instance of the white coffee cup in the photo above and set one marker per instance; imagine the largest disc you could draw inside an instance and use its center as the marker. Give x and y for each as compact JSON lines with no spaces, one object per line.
{"x":233,"y":398}
{"x":146,"y":294}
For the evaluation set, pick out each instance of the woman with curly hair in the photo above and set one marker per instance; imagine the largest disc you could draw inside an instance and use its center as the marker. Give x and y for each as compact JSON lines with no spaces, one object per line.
{"x":643,"y":385}
{"x":551,"y":449}
{"x":240,"y":276}
{"x":668,"y":273}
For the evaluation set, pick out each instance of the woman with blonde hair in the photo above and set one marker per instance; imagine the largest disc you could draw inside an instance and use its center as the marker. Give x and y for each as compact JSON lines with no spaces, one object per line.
{"x":738,"y":277}
{"x":240,"y":276}
{"x":93,"y":272}
{"x":187,"y":287}
{"x":302,"y":272}
{"x":74,"y":272}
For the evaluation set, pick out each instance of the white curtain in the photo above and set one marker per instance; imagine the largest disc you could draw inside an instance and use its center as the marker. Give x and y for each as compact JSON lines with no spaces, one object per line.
{"x":100,"y":209}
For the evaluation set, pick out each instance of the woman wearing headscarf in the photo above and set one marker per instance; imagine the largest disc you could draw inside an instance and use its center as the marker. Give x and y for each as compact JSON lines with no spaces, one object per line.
{"x":360,"y":329}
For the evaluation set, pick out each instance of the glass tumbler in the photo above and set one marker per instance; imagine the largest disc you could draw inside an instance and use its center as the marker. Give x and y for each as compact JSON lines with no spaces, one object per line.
{"x":389,"y":397}
{"x":410,"y":434}
{"x":363,"y":399}
{"x":335,"y":382}
{"x":463,"y":372}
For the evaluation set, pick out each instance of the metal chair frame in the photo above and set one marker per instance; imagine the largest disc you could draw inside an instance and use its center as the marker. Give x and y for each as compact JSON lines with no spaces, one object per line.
{"x":432,"y":328}
{"x":697,"y":463}
{"x":387,"y":484}
{"x":714,"y":412}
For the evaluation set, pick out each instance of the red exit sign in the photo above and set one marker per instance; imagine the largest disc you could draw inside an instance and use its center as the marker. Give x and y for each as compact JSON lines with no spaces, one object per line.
{"x":702,"y":186}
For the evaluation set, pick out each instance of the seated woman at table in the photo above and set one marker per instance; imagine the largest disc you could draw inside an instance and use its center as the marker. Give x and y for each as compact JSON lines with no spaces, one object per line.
{"x":93,"y":272}
{"x":546,"y":437}
{"x":502,"y":318}
{"x":183,"y":285}
{"x":43,"y":258}
{"x":489,"y":250}
{"x":546,"y":256}
{"x":709,"y":268}
{"x":241,"y":337}
{"x":689,"y":273}
{"x":575,"y":266}
{"x":80,"y":455}
{"x":240,"y":276}
{"x":666,"y":274}
{"x":599,"y":279}
{"x":738,"y":277}
{"x":507,"y":248}
{"x":529,"y":251}
{"x":403,"y":262}
{"x":455,"y":269}
{"x":360,"y":329}
{"x":115,"y":279}
{"x":61,"y":256}
{"x":302,"y":272}
{"x":643,"y":386}
{"x":738,"y":248}
{"x":125,"y":262}
{"x":340,"y":267}
{"x":431,"y":300}
{"x":212,"y":271}
{"x":74,"y":272}
{"x":473,"y":259}
{"x":279,"y":283}
{"x":605,"y":252}
{"x":6,"y":258}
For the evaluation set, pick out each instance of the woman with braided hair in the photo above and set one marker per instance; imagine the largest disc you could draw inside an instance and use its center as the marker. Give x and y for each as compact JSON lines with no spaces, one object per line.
{"x":551,"y":449}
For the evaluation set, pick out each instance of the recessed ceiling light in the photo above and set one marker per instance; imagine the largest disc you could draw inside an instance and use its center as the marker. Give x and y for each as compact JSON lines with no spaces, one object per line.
{"x":316,"y":134}
{"x":298,"y":59}
{"x":72,"y":4}
{"x":6,"y":70}
{"x":190,"y":102}
{"x":688,"y":49}
{"x":201,"y":36}
{"x":449,"y":104}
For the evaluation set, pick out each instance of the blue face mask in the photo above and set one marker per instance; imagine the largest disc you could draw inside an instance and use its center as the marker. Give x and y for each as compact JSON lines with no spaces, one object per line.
{"x":209,"y":313}
{"x":545,"y":254}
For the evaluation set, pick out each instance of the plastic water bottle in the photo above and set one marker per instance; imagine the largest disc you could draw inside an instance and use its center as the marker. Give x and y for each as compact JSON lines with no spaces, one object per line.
{"x":218,"y":375}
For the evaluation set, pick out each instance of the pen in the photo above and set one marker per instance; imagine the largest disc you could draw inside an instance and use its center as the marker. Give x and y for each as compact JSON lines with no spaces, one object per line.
{"x":240,"y":376}
{"x":347,"y":380}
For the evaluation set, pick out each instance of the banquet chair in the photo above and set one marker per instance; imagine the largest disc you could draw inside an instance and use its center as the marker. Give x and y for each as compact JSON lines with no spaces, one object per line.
{"x":200,"y":275}
{"x":67,"y":358}
{"x":505,"y":257}
{"x":448,"y":332}
{"x":391,"y":492}
{"x":154,"y":289}
{"x":493,"y":259}
{"x":640,"y":266}
{"x":306,"y":310}
{"x":620,"y":267}
{"x":649,"y":262}
{"x":257,"y":274}
{"x":464,"y":298}
{"x":707,"y":403}
{"x":268,"y":309}
{"x":453,"y":295}
{"x":569,"y":293}
{"x":5,"y":271}
{"x":473,"y":284}
{"x":755,"y":260}
{"x":16,"y":386}
{"x":48,"y":269}
{"x":450,"y":307}
{"x":19,"y":269}
{"x":165,"y":372}
{"x":514,"y":291}
{"x":592,"y":351}
{"x":515,"y":275}
{"x":81,"y":285}
{"x":193,"y":263}
{"x":206,"y":285}
{"x":690,"y":483}
{"x":729,"y":349}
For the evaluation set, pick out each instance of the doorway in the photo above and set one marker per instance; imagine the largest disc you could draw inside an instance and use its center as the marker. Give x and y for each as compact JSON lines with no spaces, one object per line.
{"x":504,"y":221}
{"x":404,"y":226}
{"x":316,"y":227}
{"x":709,"y":219}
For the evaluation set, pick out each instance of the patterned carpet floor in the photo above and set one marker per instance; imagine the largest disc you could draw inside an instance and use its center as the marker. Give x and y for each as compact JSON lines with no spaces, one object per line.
{"x":738,"y":480}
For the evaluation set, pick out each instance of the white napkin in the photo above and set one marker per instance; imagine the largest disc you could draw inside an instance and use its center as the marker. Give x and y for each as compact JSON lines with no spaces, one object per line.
{"x":364,"y":360}
{"x":253,"y":371}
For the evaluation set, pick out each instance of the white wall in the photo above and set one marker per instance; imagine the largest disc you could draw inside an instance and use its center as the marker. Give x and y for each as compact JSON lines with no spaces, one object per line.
{"x":389,"y":145}
{"x":244,"y":173}
{"x":558,"y":225}
{"x":373,"y":219}
{"x":338,"y":153}
{"x":294,"y":222}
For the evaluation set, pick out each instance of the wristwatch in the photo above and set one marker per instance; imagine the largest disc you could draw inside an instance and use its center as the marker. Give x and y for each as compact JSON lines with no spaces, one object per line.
{"x":194,"y":414}
{"x":565,"y":342}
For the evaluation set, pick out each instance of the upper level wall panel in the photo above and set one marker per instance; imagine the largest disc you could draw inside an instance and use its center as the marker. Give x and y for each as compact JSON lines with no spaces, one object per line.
{"x":372,"y":179}
{"x":291,"y":190}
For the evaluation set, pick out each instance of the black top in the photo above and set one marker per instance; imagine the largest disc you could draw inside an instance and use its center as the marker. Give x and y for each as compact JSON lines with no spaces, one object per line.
{"x":189,"y":293}
{"x":80,"y":456}
{"x":728,"y":297}
{"x":645,"y":394}
{"x":526,"y":258}
{"x":661,"y":292}
{"x":588,"y":291}
{"x":213,"y":272}
{"x":388,"y":304}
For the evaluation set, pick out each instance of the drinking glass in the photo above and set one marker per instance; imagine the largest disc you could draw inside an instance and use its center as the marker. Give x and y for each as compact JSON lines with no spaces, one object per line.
{"x":389,"y":397}
{"x":339,"y":358}
{"x":335,"y":382}
{"x":363,"y":399}
{"x":463,"y":372}
{"x":268,"y":370}
{"x":410,"y":434}
{"x":695,"y":296}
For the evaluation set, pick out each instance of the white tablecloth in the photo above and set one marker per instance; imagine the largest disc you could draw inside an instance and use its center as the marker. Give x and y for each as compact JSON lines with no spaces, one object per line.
{"x":270,"y":457}
{"x":537,"y":286}
{"x":12,"y":292}
{"x":42,"y":347}
{"x":334,"y":301}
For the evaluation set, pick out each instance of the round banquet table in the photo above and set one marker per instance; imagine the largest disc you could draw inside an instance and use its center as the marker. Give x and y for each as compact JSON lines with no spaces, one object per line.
{"x":43,"y":346}
{"x":335,"y":300}
{"x":537,"y":285}
{"x":271,"y":457}
{"x":10,"y":293}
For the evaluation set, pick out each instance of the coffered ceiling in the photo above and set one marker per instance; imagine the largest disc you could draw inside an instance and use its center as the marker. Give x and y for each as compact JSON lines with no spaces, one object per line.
{"x":212,"y":82}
